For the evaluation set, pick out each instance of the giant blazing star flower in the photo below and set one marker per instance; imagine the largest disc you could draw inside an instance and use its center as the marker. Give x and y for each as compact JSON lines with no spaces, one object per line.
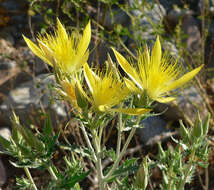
{"x":107,"y":91}
{"x":67,"y":52}
{"x":154,"y":75}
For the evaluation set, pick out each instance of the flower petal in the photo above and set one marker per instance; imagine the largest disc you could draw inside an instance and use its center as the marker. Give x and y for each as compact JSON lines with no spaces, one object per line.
{"x":84,"y":40}
{"x":48,"y":53}
{"x":36,"y":50}
{"x":132,"y":111}
{"x":131,"y":86}
{"x":184,"y":79}
{"x":165,"y":100}
{"x":130,"y":71}
{"x":69,"y":89}
{"x":89,"y":78}
{"x":61,"y":32}
{"x":156,"y":53}
{"x":79,"y":86}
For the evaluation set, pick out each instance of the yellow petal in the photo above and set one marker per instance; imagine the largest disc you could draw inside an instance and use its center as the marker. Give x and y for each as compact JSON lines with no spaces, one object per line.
{"x":48,"y":53}
{"x":89,"y":78}
{"x":36,"y":50}
{"x":84,"y":40}
{"x":156,"y":53}
{"x":82,"y":60}
{"x":131,"y":86}
{"x":165,"y":100}
{"x":79,"y":86}
{"x":184,"y":79}
{"x":146,"y":56}
{"x":131,"y":72}
{"x":132,"y":111}
{"x":69,"y":89}
{"x":61,"y":32}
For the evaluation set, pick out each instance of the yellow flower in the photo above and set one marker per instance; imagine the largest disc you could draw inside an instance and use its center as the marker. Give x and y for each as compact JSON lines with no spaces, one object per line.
{"x":68,"y":52}
{"x":72,"y":90}
{"x":107,"y":91}
{"x":69,"y":92}
{"x":154,"y":75}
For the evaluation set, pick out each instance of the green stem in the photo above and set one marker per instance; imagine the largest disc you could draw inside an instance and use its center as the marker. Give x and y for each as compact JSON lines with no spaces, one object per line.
{"x":53,"y":175}
{"x":26,"y":170}
{"x":120,"y":126}
{"x":88,"y":142}
{"x":188,"y":170}
{"x":115,"y":165}
{"x":101,"y":133}
{"x":97,"y":145}
{"x":121,"y":154}
{"x":185,"y":177}
{"x":30,"y":178}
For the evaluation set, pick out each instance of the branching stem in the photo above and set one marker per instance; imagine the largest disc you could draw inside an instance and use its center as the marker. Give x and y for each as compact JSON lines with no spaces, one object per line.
{"x":30,"y":178}
{"x":53,"y":175}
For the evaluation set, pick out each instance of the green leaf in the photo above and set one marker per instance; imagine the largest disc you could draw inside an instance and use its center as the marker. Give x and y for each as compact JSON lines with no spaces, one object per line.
{"x":22,"y":184}
{"x":128,"y":167}
{"x":25,"y":163}
{"x":48,"y":129}
{"x":161,"y":151}
{"x":81,"y":100}
{"x":27,"y":134}
{"x":142,"y":177}
{"x":84,"y":152}
{"x":202,"y":164}
{"x":31,"y":139}
{"x":75,"y":179}
{"x":184,"y":132}
{"x":206,"y":125}
{"x":5,"y":143}
{"x":26,"y":151}
{"x":197,"y":129}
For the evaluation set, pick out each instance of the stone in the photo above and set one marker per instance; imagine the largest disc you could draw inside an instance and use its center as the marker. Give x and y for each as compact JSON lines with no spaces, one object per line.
{"x":190,"y":29}
{"x":174,"y":15}
{"x":6,"y":47}
{"x":7,"y":64}
{"x":7,"y":34}
{"x":36,"y":65}
{"x":27,"y":100}
{"x":209,"y":45}
{"x":3,"y":176}
{"x":5,"y":133}
{"x":168,"y":5}
{"x":185,"y":107}
{"x":119,"y":17}
{"x":190,"y":102}
{"x":152,"y":13}
{"x":153,"y":130}
{"x":192,"y":4}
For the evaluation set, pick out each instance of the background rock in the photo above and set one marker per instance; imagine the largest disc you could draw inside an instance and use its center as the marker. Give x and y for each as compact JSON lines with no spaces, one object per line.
{"x":191,"y":30}
{"x":188,"y":103}
{"x":155,"y":13}
{"x":29,"y":98}
{"x":3,"y":175}
{"x":154,"y":129}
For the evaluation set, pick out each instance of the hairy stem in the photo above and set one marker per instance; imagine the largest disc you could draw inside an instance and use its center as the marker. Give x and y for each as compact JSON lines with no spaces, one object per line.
{"x":53,"y":175}
{"x":97,"y":145}
{"x":30,"y":178}
{"x":120,"y":125}
{"x":131,"y":134}
{"x":188,"y":170}
{"x":88,"y":141}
